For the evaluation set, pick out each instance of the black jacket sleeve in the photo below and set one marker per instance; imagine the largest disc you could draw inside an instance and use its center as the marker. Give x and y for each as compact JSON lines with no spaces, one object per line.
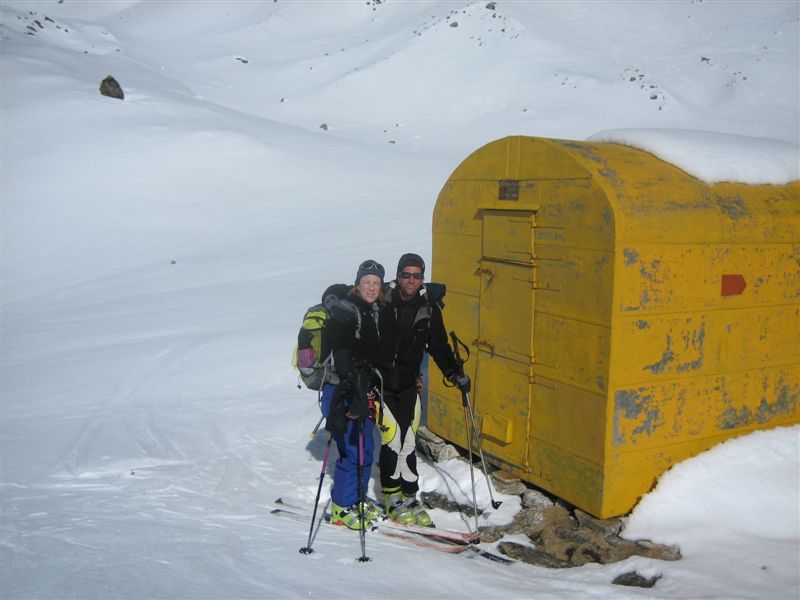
{"x":438,"y":346}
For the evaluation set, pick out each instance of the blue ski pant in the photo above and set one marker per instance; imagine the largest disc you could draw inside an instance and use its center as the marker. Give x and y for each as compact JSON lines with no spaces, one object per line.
{"x":346,"y":490}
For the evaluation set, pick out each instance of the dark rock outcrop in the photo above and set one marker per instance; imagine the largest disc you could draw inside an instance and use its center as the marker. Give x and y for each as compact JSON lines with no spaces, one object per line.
{"x":110,"y":87}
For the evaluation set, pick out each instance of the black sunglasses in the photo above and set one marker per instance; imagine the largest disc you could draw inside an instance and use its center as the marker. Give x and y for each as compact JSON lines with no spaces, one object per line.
{"x":407,"y":275}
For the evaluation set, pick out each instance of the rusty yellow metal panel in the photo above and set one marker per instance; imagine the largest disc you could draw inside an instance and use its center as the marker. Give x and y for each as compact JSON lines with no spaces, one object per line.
{"x":622,"y":315}
{"x":504,"y":411}
{"x":659,"y":414}
{"x":505,"y":290}
{"x":506,"y":235}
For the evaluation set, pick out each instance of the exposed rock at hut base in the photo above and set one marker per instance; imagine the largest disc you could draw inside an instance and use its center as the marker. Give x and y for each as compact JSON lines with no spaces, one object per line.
{"x":559,"y":537}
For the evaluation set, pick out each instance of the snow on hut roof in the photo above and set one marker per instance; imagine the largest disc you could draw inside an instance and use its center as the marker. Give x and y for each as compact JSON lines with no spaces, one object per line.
{"x":715,"y":157}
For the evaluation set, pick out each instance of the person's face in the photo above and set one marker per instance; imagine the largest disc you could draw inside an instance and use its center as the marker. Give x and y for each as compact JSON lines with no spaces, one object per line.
{"x":369,"y":288}
{"x":410,"y":280}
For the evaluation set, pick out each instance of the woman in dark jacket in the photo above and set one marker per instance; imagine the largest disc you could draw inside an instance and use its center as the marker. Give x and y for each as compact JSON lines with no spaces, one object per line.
{"x":361,"y":346}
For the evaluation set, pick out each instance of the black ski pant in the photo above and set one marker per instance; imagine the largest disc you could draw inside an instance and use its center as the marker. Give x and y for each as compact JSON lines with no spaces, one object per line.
{"x":398,"y":458}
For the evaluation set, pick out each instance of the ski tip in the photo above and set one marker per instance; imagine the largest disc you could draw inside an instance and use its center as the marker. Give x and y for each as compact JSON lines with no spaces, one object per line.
{"x":490,"y":555}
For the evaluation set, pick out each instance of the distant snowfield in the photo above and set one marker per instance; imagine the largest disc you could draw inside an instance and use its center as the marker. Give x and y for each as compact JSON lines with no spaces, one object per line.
{"x":158,"y":253}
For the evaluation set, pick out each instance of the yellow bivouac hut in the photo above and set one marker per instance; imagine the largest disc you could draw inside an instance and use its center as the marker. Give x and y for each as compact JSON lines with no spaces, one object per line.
{"x":621,"y":314}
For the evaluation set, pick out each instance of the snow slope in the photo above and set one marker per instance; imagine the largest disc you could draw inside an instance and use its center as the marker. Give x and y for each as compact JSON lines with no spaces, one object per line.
{"x":158,"y":252}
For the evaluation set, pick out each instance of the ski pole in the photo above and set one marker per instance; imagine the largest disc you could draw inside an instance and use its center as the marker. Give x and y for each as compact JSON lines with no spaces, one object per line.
{"x":319,"y":399}
{"x":379,"y":408}
{"x":467,"y":407}
{"x":307,"y":549}
{"x":316,"y":429}
{"x":361,"y":492}
{"x":471,"y":469}
{"x":465,"y":399}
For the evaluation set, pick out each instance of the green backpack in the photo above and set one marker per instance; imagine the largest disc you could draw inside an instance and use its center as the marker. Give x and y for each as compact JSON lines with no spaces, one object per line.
{"x":312,"y":356}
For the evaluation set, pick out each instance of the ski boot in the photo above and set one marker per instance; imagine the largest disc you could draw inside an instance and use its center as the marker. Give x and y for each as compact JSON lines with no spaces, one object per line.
{"x":421,"y":516}
{"x":405,"y":510}
{"x":374,"y":511}
{"x":350,"y":516}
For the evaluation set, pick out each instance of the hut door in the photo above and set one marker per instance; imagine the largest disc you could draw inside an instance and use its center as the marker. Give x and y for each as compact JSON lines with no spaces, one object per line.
{"x":505,"y":333}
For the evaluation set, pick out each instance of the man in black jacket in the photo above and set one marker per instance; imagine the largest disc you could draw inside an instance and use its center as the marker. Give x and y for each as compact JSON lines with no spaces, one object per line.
{"x":419,"y":327}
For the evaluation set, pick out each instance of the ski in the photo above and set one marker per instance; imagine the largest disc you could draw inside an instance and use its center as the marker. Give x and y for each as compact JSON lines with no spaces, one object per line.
{"x":303,"y":517}
{"x":451,"y":535}
{"x":452,"y":542}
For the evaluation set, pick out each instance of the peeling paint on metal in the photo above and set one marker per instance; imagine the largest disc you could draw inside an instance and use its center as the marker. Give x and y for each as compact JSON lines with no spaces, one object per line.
{"x":436,"y":408}
{"x":624,"y":400}
{"x":651,"y":421}
{"x":785,"y":403}
{"x":678,"y":421}
{"x":695,"y":341}
{"x":576,"y":206}
{"x":631,"y":256}
{"x":731,"y":418}
{"x":734,"y":208}
{"x":610,"y":174}
{"x":642,"y":324}
{"x":601,"y":382}
{"x":666,"y":358}
{"x":587,"y":152}
{"x":633,"y":405}
{"x":652,"y":272}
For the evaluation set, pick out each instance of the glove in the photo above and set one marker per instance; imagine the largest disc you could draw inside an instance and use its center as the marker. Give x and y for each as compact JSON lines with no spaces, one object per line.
{"x":460,"y":381}
{"x":336,"y":420}
{"x":361,"y":388}
{"x":359,"y":407}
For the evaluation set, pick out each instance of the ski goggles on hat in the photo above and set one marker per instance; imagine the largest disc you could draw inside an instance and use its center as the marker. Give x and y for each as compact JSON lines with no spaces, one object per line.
{"x":407,"y":275}
{"x":370,"y":265}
